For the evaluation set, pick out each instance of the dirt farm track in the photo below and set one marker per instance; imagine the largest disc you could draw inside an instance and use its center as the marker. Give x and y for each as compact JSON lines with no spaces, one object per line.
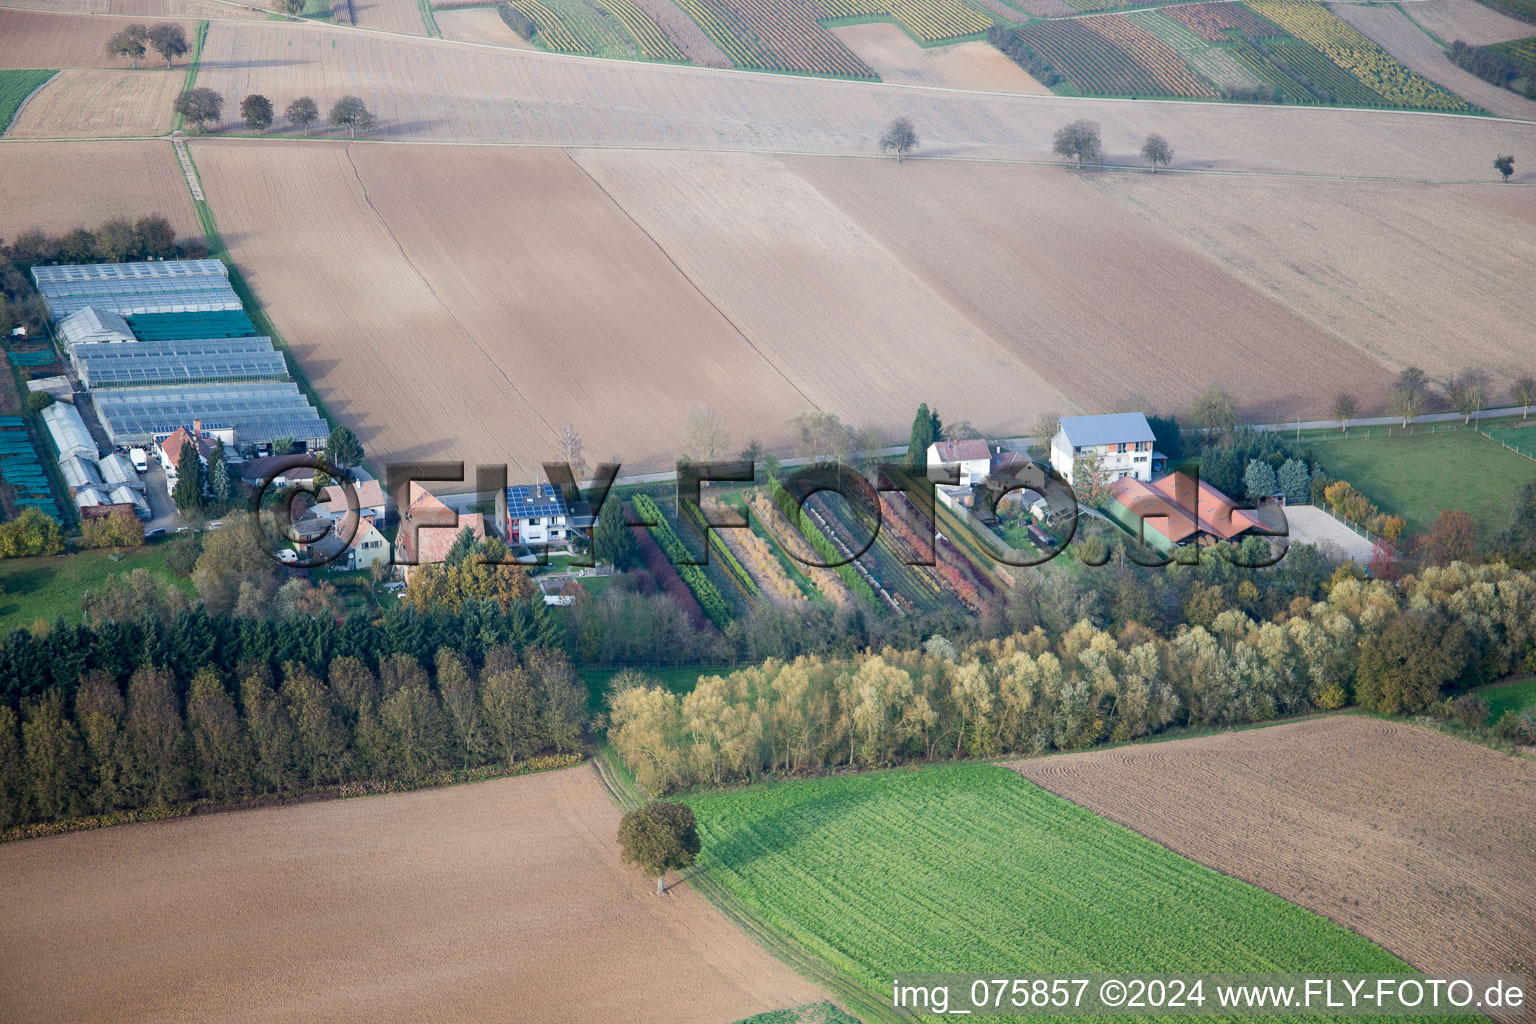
{"x":1418,"y":841}
{"x":501,"y":901}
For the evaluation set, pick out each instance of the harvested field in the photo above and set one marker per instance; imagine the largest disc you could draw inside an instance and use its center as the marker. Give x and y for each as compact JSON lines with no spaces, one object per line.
{"x":478,"y":25}
{"x":437,"y":90}
{"x":1046,"y":267}
{"x":504,"y":295}
{"x":830,"y":307}
{"x":1414,"y":839}
{"x":148,"y":8}
{"x":31,"y":39}
{"x":479,"y":902}
{"x":1393,"y":270}
{"x":1390,"y":29}
{"x":390,"y":16}
{"x":96,"y":102}
{"x":1467,"y":20}
{"x":973,"y":65}
{"x":61,"y":185}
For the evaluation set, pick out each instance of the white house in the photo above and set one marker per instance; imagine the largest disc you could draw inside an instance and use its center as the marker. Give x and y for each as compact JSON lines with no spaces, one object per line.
{"x":971,"y":459}
{"x":538,"y":516}
{"x":1123,"y":441}
{"x":168,"y":449}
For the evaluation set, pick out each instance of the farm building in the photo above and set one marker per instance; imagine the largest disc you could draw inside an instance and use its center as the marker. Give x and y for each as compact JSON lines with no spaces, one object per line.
{"x":59,"y":387}
{"x":428,"y":529}
{"x":201,"y":361}
{"x":167,"y":286}
{"x":93,"y":326}
{"x":971,"y":459}
{"x":258,"y":412}
{"x":68,"y":431}
{"x":168,"y":449}
{"x":117,"y":471}
{"x":539,"y":516}
{"x":79,"y":473}
{"x":1123,"y":442}
{"x":1178,"y":510}
{"x":370,"y":502}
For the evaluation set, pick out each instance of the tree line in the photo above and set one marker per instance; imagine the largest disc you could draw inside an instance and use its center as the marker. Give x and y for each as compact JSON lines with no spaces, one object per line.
{"x":201,"y":106}
{"x":161,"y":737}
{"x":1369,"y":643}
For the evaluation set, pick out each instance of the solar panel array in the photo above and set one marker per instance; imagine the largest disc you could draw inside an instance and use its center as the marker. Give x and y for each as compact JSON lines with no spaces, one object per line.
{"x":524,"y":501}
{"x":203,"y":361}
{"x":259,"y":411}
{"x":167,"y":286}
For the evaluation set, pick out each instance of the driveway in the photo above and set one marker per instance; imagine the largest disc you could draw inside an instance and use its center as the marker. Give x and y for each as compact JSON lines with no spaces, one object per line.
{"x":163,"y":510}
{"x":1311,"y":525}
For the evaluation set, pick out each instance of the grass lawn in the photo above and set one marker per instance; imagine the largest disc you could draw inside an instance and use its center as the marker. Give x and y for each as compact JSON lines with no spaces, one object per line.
{"x":50,"y":586}
{"x":677,"y":680}
{"x":16,"y":86}
{"x":815,"y":1013}
{"x":1418,"y":477}
{"x":1508,"y":697}
{"x":968,"y":868}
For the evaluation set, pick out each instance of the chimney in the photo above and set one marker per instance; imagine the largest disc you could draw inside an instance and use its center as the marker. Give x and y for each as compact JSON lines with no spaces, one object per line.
{"x":197,"y":429}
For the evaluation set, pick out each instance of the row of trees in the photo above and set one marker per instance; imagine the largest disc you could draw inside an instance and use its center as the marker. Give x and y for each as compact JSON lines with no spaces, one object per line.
{"x":114,"y":241}
{"x":162,"y":740}
{"x":202,"y":106}
{"x":1077,"y":140}
{"x":1366,"y":642}
{"x":168,"y":38}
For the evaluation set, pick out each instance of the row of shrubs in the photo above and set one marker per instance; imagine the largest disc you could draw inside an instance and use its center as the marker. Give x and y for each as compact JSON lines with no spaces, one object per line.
{"x":703,"y":589}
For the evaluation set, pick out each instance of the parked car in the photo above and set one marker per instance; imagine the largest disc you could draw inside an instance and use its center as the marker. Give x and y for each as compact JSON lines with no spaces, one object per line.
{"x":139,"y":458}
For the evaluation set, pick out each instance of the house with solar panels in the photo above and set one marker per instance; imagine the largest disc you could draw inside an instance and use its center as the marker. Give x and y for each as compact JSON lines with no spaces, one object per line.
{"x":539,"y":516}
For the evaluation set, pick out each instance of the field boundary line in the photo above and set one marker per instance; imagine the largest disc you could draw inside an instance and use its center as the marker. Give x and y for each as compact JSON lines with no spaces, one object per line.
{"x":667,"y":68}
{"x":22,"y":106}
{"x":684,"y":275}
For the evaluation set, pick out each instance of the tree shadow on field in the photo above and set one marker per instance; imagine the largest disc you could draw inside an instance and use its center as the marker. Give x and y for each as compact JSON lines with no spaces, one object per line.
{"x":783,"y":831}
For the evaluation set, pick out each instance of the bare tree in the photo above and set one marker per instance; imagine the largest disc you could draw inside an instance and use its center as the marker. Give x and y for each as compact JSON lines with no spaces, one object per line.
{"x":1344,"y":408}
{"x":704,"y":435}
{"x":1046,"y":426}
{"x":1466,"y":393}
{"x":169,"y":40}
{"x":1078,"y":140}
{"x":1214,"y":411}
{"x":961,"y":431}
{"x":1405,"y":401}
{"x":1157,"y":151}
{"x":899,"y":137}
{"x":129,"y":43}
{"x":1524,"y":392}
{"x":823,"y":437}
{"x":568,"y":449}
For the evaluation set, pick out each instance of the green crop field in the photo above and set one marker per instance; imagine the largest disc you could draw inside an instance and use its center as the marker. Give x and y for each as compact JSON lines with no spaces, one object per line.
{"x":1421,"y":475}
{"x":816,"y":1013}
{"x":16,"y":86}
{"x":968,"y":868}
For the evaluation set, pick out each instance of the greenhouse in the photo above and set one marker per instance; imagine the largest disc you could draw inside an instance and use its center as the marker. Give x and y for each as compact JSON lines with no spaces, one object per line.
{"x":168,"y":286}
{"x":223,"y":323}
{"x":68,"y":431}
{"x":257,"y":411}
{"x":203,"y":361}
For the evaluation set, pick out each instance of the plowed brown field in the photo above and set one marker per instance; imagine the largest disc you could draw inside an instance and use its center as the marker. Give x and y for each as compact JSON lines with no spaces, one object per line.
{"x":1113,"y":312}
{"x":478,"y":25}
{"x":973,"y":65}
{"x":98,"y":102}
{"x":501,"y":901}
{"x":34,"y":39}
{"x":390,"y":16}
{"x":488,"y":295}
{"x":432,"y":89}
{"x":61,"y":185}
{"x":1467,"y":20}
{"x":1399,"y":272}
{"x":1416,"y":840}
{"x":845,"y":319}
{"x":148,"y":8}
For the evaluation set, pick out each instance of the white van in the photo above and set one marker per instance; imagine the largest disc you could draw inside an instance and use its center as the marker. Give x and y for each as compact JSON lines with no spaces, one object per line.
{"x":139,"y":458}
